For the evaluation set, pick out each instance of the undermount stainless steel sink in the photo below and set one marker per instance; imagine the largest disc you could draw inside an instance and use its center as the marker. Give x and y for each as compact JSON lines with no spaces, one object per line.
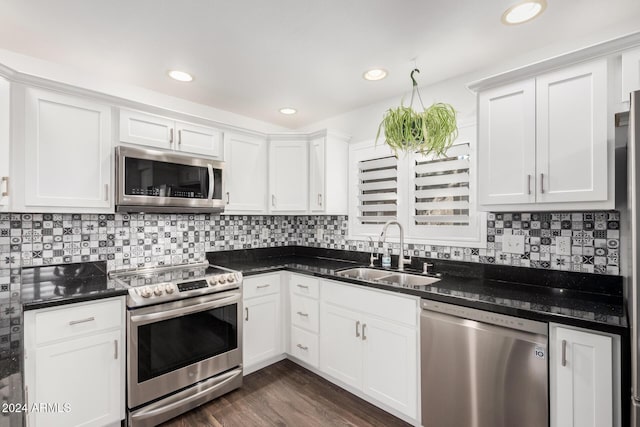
{"x":384,"y":277}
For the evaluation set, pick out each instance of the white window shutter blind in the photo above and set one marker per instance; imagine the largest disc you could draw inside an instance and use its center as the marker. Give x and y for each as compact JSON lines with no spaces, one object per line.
{"x":377,"y":190}
{"x":441,"y":188}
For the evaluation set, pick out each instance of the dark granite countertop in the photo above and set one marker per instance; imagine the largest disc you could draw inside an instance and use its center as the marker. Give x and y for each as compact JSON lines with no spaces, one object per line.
{"x":584,"y":300}
{"x":51,"y":285}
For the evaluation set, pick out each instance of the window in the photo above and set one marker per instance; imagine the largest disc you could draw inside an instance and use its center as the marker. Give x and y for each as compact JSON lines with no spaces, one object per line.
{"x":377,"y":190}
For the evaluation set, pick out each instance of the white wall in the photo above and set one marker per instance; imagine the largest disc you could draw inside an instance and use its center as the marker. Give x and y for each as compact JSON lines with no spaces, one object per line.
{"x":362,"y":124}
{"x":92,"y":81}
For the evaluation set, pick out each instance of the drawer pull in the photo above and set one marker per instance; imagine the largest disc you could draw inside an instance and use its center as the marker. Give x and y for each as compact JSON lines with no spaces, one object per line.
{"x":263,"y":286}
{"x":303,"y":314}
{"x":302,"y":347}
{"x":88,"y":319}
{"x":302,"y":286}
{"x":364,"y":327}
{"x":358,"y":329}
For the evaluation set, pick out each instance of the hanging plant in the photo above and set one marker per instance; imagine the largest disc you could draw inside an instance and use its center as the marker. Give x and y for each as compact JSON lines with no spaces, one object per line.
{"x":431,"y":131}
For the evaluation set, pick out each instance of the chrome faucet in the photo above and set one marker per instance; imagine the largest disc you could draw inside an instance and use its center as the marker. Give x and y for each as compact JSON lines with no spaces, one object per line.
{"x":372,"y":257}
{"x":401,"y":259}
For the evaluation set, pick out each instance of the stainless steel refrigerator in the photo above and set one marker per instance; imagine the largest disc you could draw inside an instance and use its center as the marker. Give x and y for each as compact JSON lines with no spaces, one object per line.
{"x":631,"y":269}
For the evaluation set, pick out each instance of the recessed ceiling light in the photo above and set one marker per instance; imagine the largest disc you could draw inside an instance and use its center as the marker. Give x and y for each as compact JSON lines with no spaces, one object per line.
{"x":288,"y":111}
{"x":523,"y":12}
{"x":375,"y":74}
{"x":181,"y":76}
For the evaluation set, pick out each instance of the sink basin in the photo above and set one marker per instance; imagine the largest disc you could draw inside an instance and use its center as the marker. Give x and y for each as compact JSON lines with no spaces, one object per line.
{"x":363,"y":273}
{"x":406,"y":279}
{"x":384,"y":277}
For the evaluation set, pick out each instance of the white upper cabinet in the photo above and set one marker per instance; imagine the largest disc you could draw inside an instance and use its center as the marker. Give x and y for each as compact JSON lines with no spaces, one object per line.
{"x":288,"y":176}
{"x":543,"y":142}
{"x":161,"y":132}
{"x":630,"y":72}
{"x":328,"y":174}
{"x":507,"y":155}
{"x":67,"y":152}
{"x":245,"y":174}
{"x":5,"y":104}
{"x":571,"y":131}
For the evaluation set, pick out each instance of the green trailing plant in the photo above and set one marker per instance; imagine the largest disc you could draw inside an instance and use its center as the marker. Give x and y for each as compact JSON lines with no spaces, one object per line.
{"x":431,"y":131}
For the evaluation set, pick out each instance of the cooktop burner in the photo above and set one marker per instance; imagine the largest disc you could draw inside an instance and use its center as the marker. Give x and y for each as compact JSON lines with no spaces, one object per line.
{"x":162,"y":284}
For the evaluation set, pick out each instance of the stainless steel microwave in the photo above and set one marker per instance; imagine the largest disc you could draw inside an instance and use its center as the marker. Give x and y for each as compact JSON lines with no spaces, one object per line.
{"x":158,"y":181}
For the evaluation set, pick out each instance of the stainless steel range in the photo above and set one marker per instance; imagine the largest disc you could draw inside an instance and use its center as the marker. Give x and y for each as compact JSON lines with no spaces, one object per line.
{"x":184,"y":329}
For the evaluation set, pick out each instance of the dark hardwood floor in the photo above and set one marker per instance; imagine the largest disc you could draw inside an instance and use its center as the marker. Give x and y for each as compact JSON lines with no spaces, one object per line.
{"x":285,"y":394}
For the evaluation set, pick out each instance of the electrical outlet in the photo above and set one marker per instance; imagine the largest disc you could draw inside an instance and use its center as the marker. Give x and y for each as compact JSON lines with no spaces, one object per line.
{"x":319,"y":234}
{"x":563,"y":245}
{"x":513,"y":243}
{"x":264,"y":233}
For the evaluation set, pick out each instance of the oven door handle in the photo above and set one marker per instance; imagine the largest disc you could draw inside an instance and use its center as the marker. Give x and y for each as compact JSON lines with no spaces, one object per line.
{"x":211,"y":182}
{"x":189,"y":309}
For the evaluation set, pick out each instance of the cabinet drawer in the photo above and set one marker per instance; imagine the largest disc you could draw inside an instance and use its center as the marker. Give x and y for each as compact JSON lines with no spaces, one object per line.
{"x":261,"y":285}
{"x":305,"y":286}
{"x":304,"y":313}
{"x":385,"y":305}
{"x":78,"y":319}
{"x":304,"y":346}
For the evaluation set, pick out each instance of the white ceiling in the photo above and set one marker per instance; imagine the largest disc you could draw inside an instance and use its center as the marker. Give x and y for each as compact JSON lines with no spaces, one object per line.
{"x":252,"y":57}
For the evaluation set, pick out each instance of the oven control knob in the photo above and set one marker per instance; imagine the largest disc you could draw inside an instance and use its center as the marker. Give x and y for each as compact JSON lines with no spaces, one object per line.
{"x":221,"y":279}
{"x":231,"y":278}
{"x":169,"y":288}
{"x":145,"y":292}
{"x":157,"y":291}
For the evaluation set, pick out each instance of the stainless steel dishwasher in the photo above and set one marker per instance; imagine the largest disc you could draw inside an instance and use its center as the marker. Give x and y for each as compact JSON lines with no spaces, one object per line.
{"x":481,"y":369}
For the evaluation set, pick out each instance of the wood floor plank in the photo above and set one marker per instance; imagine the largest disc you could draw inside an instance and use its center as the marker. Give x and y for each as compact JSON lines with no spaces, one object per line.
{"x":285,"y":394}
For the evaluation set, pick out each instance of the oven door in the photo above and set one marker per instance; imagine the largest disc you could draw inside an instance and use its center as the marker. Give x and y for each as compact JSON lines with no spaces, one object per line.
{"x":151,"y":180}
{"x":174,"y":345}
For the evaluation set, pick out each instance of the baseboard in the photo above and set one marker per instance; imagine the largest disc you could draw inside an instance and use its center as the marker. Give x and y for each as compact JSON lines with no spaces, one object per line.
{"x":246,"y":370}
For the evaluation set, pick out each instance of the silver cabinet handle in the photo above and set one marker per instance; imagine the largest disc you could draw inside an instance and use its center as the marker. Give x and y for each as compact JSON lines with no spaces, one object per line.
{"x":364,"y":327}
{"x":541,"y":183}
{"x":211,"y":182}
{"x":302,"y":347}
{"x":88,"y":319}
{"x":5,"y":180}
{"x":358,"y":329}
{"x":529,"y":184}
{"x":246,"y":316}
{"x":564,"y":352}
{"x":180,"y":137}
{"x":171,"y":136}
{"x":263,"y":286}
{"x":227,"y":197}
{"x":319,"y":199}
{"x":106,"y":192}
{"x":115,"y":349}
{"x":302,"y":314}
{"x":273,"y":200}
{"x":302,"y":286}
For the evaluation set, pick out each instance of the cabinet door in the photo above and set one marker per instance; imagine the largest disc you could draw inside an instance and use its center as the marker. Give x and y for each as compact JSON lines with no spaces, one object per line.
{"x":506,"y":144}
{"x":261,"y":338}
{"x":571,"y":116}
{"x":4,"y":143}
{"x":630,"y":73}
{"x":341,"y":344}
{"x":83,"y":373}
{"x":390,"y":364}
{"x":198,"y":139}
{"x":581,"y":382}
{"x":288,"y":176}
{"x":317,"y":196}
{"x":146,"y":129}
{"x":245,"y":173}
{"x":68,"y":151}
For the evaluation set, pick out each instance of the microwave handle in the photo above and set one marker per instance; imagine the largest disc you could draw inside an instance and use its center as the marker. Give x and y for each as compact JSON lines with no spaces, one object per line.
{"x":211,"y":182}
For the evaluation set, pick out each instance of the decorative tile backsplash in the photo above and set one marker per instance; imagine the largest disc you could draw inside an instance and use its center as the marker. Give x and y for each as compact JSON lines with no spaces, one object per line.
{"x":136,"y":240}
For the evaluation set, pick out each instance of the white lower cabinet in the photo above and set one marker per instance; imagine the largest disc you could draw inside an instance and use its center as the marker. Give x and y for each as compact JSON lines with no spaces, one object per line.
{"x":584,"y":378}
{"x":262,"y":334}
{"x":304,"y":317}
{"x":77,"y":368}
{"x":372,"y":351}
